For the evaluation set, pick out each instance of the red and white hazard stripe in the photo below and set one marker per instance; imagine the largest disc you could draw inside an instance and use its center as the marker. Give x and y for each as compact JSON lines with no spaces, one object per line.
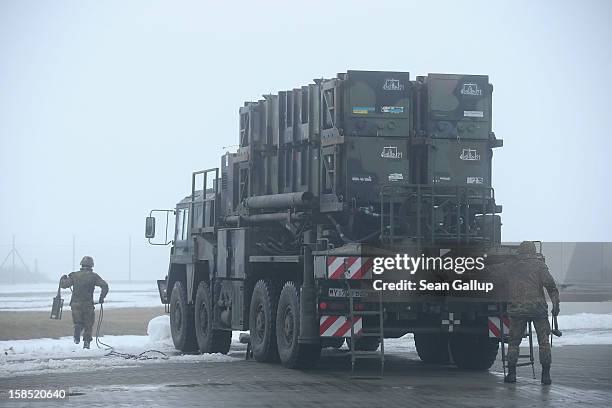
{"x":349,"y":267}
{"x":339,"y":326}
{"x":495,"y":327}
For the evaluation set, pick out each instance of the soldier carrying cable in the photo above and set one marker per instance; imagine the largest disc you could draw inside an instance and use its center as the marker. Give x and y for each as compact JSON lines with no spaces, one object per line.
{"x":81,"y":303}
{"x":528,"y":278}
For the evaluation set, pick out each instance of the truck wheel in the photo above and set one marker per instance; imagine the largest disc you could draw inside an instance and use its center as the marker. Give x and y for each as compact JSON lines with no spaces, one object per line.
{"x":262,"y":321}
{"x":473,"y":352}
{"x":209,"y":340}
{"x":182,"y":320}
{"x":432,"y":348}
{"x":364,"y":344}
{"x":292,"y":354}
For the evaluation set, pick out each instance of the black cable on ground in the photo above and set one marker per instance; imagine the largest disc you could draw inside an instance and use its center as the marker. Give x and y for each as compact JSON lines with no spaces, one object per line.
{"x":142,"y":356}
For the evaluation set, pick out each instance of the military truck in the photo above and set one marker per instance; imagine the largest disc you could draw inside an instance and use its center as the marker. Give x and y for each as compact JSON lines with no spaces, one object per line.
{"x":279,"y":239}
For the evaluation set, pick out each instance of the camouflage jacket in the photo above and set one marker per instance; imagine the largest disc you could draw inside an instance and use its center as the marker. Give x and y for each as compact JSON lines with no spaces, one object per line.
{"x":525,"y":277}
{"x":84,"y":283}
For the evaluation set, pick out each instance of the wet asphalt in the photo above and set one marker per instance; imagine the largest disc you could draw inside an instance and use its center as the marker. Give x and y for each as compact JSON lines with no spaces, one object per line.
{"x":582,"y":376}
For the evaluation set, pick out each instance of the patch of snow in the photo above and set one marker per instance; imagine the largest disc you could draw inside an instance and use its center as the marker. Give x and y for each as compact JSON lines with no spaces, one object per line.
{"x":584,"y":329}
{"x":582,"y":338}
{"x":578,"y":330}
{"x":159,"y":329}
{"x":43,"y":356}
{"x":64,"y":365}
{"x":584,"y":321}
{"x":404,"y":344}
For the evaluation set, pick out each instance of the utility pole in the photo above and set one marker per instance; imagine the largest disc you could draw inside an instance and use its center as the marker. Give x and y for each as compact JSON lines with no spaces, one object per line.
{"x":13,"y":268}
{"x":12,"y":253}
{"x":130,"y":259}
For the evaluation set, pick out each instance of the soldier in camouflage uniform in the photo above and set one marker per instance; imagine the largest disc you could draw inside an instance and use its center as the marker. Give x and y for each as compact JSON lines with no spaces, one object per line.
{"x":81,"y":303}
{"x":529,"y":276}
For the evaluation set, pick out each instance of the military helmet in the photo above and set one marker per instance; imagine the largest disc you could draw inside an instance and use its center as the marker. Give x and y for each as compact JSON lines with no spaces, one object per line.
{"x":527,"y":247}
{"x":87,"y":262}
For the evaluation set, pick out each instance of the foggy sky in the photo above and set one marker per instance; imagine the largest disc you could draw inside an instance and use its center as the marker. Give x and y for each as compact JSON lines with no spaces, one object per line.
{"x":107,"y":107}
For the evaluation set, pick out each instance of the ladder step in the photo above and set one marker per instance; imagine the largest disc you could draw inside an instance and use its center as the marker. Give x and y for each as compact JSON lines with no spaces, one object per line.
{"x":373,"y":355}
{"x":367,"y":353}
{"x":523,"y":364}
{"x":366,"y":377}
{"x":524,"y":355}
{"x":377,"y":357}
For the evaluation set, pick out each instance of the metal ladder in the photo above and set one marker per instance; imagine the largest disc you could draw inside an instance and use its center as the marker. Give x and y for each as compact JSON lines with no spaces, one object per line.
{"x":529,"y":356}
{"x":356,"y":354}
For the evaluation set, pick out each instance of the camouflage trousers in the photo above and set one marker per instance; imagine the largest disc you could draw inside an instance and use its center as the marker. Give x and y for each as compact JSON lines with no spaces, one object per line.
{"x":83,"y":316}
{"x":517,"y":329}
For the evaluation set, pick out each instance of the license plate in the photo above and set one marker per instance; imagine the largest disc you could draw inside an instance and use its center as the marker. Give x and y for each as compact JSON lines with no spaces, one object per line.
{"x":338,"y":292}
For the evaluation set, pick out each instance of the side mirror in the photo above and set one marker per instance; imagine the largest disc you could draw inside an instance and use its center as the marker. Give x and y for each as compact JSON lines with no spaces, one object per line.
{"x":150,"y":227}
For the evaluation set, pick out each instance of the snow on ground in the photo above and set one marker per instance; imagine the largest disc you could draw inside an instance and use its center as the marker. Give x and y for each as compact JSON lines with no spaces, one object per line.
{"x":578,"y":329}
{"x":43,"y":356}
{"x":583,"y":329}
{"x":585,"y":321}
{"x":404,"y":344}
{"x":39,"y":296}
{"x":158,"y":329}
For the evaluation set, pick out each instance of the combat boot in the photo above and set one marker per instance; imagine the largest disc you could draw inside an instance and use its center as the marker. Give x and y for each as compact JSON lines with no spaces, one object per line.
{"x":511,"y":376}
{"x":85,"y":344}
{"x":546,"y":374}
{"x":77,"y":334}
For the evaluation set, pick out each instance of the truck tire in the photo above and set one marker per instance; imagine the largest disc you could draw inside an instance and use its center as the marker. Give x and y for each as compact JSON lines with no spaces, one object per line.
{"x":364,"y":344}
{"x":292,"y":354}
{"x":182,"y":324}
{"x":432,"y":348}
{"x":262,"y":321}
{"x":209,"y":339}
{"x":473,"y":352}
